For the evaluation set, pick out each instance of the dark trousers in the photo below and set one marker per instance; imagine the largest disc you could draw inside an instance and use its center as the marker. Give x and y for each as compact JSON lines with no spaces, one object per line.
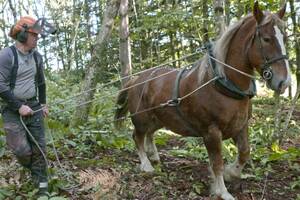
{"x":21,"y":143}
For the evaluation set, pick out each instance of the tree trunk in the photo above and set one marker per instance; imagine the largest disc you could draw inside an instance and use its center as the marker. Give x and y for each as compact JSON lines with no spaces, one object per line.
{"x":125,"y":50}
{"x":227,"y":12}
{"x":88,"y":26}
{"x":84,"y":101}
{"x":72,"y":46}
{"x":204,"y":30}
{"x":219,"y":17}
{"x":13,"y":10}
{"x":172,"y":47}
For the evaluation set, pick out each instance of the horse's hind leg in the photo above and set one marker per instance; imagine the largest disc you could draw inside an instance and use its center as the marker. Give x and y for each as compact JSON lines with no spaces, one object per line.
{"x":139,"y":139}
{"x":213,"y":143}
{"x":151,"y":147}
{"x":234,"y":170}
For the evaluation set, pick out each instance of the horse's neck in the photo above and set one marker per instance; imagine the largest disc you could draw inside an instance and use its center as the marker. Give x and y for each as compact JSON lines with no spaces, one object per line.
{"x":237,"y":57}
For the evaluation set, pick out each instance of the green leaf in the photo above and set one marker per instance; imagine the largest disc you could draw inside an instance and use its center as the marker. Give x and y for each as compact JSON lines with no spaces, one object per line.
{"x":70,"y":142}
{"x":43,"y":198}
{"x":5,"y":192}
{"x":198,"y":187}
{"x":58,"y":198}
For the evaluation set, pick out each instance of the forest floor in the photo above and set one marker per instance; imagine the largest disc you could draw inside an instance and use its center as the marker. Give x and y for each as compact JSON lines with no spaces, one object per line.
{"x":185,"y":178}
{"x":114,"y":174}
{"x":111,"y":173}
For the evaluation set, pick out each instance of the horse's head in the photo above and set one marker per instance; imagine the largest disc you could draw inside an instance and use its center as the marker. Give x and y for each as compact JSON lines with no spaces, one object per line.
{"x":268,"y":53}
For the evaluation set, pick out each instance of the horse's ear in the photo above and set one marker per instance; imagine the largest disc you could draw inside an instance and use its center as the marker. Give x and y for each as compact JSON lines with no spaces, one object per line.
{"x":257,"y":13}
{"x":281,"y":12}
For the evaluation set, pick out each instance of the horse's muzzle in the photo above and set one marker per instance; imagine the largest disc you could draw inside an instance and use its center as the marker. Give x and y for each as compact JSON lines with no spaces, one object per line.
{"x":283,"y":85}
{"x":278,"y":86}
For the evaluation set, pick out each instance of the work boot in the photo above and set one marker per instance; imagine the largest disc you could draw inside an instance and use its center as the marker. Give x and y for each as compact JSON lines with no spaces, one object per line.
{"x":43,"y":190}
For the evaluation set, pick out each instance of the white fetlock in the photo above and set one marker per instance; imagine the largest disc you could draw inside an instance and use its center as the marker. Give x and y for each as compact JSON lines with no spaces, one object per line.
{"x":146,"y":167}
{"x":219,"y":189}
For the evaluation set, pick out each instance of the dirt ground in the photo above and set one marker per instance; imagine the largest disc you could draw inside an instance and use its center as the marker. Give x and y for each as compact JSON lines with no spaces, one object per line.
{"x":114,"y":174}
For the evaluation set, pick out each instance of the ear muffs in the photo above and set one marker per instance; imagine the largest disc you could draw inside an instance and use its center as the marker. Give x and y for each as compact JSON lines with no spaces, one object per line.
{"x":23,"y":34}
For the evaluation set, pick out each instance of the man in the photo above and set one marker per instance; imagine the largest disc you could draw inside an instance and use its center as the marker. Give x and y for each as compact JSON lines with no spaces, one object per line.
{"x":23,"y":90}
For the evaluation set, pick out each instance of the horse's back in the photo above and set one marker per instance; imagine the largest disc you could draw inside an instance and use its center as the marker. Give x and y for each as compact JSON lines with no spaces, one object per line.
{"x":153,"y":86}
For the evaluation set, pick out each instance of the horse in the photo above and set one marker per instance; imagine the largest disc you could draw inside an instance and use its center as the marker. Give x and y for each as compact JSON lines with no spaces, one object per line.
{"x":213,"y":99}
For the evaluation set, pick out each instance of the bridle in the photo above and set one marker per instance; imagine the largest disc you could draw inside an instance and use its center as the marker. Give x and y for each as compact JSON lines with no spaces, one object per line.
{"x":267,"y":72}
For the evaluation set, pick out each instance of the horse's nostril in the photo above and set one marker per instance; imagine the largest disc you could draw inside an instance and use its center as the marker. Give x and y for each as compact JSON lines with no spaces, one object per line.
{"x":282,"y":86}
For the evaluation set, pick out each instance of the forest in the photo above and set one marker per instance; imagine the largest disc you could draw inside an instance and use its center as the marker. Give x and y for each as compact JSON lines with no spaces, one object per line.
{"x":100,"y":45}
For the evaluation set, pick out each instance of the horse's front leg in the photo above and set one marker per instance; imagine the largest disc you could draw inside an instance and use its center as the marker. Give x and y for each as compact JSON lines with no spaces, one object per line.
{"x":213,"y":143}
{"x":233,"y":171}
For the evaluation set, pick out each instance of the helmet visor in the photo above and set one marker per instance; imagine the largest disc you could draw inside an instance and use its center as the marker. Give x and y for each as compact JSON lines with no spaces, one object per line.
{"x":43,"y":27}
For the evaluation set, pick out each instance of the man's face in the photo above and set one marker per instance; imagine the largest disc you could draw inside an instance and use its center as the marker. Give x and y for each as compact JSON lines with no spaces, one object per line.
{"x":32,"y":39}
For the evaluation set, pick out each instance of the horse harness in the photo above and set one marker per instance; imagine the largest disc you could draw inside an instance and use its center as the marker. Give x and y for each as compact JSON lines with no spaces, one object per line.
{"x":175,"y":101}
{"x":224,"y":85}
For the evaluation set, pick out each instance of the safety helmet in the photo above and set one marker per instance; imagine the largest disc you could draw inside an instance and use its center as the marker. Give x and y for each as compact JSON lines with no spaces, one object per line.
{"x":24,"y":24}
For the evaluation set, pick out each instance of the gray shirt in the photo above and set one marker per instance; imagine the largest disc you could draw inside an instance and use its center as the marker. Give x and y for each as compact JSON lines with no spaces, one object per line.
{"x":25,"y":87}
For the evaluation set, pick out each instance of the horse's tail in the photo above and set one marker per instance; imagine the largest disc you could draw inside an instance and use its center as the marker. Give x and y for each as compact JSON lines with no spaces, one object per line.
{"x":122,"y":105}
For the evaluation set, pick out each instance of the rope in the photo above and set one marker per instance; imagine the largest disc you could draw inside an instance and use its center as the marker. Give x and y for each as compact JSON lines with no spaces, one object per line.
{"x":34,"y":140}
{"x":191,"y":93}
{"x":230,"y":67}
{"x":121,"y":90}
{"x":42,"y":152}
{"x":125,"y":77}
{"x":199,"y":50}
{"x":226,"y":65}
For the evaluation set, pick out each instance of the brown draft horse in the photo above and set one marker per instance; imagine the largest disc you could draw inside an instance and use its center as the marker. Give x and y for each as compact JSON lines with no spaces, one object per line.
{"x":213,"y":112}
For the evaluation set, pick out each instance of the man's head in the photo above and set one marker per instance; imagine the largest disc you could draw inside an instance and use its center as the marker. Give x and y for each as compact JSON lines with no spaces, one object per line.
{"x":24,"y":28}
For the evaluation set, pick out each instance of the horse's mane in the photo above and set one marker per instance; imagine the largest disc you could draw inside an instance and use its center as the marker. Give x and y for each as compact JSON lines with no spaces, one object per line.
{"x":221,"y":46}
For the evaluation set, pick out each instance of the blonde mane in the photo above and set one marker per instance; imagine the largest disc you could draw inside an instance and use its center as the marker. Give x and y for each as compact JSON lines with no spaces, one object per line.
{"x":220,"y":49}
{"x":221,"y":46}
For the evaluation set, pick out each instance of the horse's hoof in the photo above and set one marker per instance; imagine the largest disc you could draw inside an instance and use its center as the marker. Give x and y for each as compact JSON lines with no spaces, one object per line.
{"x":146,"y":168}
{"x":227,"y":196}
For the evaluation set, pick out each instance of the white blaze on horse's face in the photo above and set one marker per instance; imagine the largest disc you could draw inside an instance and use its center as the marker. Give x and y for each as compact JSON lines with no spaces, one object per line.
{"x":279,"y":37}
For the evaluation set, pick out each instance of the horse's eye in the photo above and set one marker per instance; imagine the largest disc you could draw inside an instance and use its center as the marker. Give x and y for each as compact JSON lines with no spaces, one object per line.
{"x":267,"y":39}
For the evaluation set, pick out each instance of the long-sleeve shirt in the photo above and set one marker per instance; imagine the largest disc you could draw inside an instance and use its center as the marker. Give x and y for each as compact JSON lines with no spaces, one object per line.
{"x":25,"y":86}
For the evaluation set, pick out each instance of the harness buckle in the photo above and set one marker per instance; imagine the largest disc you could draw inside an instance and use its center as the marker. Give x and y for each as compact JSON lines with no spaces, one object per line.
{"x":173,"y":102}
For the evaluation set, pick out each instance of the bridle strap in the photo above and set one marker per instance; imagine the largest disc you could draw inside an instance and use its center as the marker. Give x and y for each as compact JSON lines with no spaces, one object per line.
{"x":267,"y":72}
{"x":274,"y":60}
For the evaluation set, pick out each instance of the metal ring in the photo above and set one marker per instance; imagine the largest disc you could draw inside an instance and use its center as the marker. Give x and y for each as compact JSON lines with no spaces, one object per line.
{"x":267,"y":74}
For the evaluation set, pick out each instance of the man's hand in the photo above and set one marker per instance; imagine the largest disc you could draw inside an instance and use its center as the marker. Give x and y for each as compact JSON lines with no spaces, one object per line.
{"x":45,"y":110}
{"x":25,"y":110}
